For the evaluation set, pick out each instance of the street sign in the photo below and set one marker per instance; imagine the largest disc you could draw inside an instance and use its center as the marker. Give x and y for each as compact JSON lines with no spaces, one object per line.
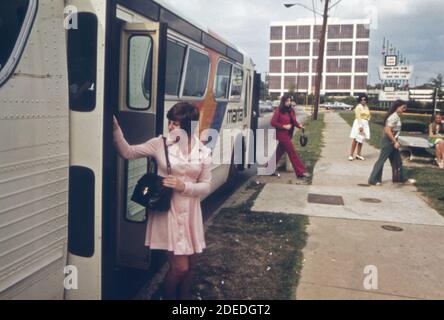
{"x":389,"y":89}
{"x":393,"y":96}
{"x":395,"y":73}
{"x":391,"y":61}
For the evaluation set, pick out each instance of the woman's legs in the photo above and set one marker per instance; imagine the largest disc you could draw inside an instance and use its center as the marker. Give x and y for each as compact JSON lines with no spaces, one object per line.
{"x":439,"y":151}
{"x":179,"y":269}
{"x":353,"y":148}
{"x":396,"y":163}
{"x":360,"y":148}
{"x":376,"y":175}
{"x":296,"y":162}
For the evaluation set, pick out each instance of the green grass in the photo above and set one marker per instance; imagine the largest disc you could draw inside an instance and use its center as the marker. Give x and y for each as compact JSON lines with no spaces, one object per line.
{"x":312,"y":151}
{"x":410,"y":123}
{"x":430,"y":181}
{"x":250,"y":255}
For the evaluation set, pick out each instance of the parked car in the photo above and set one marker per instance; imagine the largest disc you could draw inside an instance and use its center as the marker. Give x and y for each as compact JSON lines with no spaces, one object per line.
{"x":265,"y":107}
{"x":337,"y":106}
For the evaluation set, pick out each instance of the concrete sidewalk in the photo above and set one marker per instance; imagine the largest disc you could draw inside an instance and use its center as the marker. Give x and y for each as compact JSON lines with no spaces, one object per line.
{"x":344,"y":239}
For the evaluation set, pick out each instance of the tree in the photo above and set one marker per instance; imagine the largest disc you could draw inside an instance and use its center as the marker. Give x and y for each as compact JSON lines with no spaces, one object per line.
{"x":437,"y":82}
{"x":291,"y":90}
{"x":437,"y":85}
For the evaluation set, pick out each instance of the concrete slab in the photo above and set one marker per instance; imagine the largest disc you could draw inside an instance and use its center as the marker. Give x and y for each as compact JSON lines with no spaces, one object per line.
{"x":311,"y":291}
{"x":409,"y":263}
{"x":397,"y":205}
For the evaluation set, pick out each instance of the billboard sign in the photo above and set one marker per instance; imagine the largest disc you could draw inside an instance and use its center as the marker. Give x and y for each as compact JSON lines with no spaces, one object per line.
{"x":391,"y":61}
{"x":393,"y":96}
{"x":395,"y":73}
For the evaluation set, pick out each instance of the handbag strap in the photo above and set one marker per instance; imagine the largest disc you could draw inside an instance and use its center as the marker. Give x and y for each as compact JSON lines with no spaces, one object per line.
{"x":165,"y":147}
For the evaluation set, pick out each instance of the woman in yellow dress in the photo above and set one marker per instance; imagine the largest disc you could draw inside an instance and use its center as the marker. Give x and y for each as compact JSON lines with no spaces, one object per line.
{"x":361,"y":129}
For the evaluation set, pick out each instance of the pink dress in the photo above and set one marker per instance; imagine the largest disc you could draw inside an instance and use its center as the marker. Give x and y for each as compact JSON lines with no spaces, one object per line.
{"x":180,"y":230}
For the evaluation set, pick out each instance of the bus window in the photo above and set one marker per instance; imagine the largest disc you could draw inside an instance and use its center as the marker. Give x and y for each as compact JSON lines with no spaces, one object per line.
{"x":222,"y":80}
{"x":15,"y":26}
{"x":174,"y":65}
{"x":236,"y":84}
{"x":135,"y":212}
{"x":82,"y":63}
{"x":139,"y":72}
{"x":196,"y":77}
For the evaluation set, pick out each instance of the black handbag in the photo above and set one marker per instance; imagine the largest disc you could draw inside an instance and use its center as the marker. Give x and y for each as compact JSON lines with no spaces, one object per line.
{"x":150,"y":192}
{"x":303,"y":140}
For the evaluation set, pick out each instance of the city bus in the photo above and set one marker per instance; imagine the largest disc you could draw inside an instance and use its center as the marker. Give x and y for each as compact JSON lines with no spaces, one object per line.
{"x":66,"y":67}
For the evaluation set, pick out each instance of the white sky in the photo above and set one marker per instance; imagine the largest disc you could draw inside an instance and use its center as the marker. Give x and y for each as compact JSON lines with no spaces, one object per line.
{"x":414,"y":27}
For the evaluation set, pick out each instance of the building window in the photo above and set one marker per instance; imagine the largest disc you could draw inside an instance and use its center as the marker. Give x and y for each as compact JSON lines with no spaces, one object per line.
{"x":303,"y":65}
{"x":140,"y":59}
{"x":339,"y":48}
{"x":317,"y":32}
{"x":297,"y":49}
{"x":314,"y":65}
{"x":295,"y":83}
{"x":16,"y":19}
{"x":315,"y":51}
{"x":196,"y":77}
{"x":291,"y":32}
{"x":338,"y":82}
{"x":274,"y":83}
{"x":291,"y":66}
{"x":334,"y":32}
{"x":361,"y":65}
{"x":361,"y":82}
{"x":275,"y":66}
{"x":136,"y":168}
{"x":174,"y":66}
{"x":346,"y":31}
{"x":362,"y":48}
{"x":276,"y":33}
{"x":344,"y":82}
{"x":222,"y":80}
{"x":290,"y":83}
{"x":363,"y":31}
{"x":276,"y":50}
{"x":291,"y":49}
{"x":313,"y":83}
{"x":237,"y":82}
{"x":339,"y":65}
{"x":340,"y":31}
{"x":304,"y":32}
{"x":297,"y":32}
{"x":82,"y":63}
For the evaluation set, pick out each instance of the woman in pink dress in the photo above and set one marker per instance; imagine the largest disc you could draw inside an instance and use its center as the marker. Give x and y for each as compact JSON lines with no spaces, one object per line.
{"x":179,"y":231}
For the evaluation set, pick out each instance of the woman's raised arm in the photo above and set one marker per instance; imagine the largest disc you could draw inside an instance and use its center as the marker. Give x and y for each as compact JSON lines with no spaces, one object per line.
{"x":126,"y":151}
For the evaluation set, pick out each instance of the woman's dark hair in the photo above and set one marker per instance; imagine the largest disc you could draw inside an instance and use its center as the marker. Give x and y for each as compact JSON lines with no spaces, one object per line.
{"x":362,"y":95}
{"x":434,"y":125}
{"x":395,"y":105}
{"x":282,"y":106}
{"x":184,"y":113}
{"x":438,"y":114}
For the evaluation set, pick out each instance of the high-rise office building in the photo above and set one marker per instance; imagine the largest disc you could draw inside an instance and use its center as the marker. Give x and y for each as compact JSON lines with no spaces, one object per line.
{"x":294,"y":50}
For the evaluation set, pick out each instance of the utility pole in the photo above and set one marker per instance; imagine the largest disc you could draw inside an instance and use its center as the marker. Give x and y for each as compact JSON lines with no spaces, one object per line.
{"x":320,"y":62}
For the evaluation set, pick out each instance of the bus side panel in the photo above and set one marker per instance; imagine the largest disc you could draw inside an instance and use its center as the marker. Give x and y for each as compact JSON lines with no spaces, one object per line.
{"x":86,"y":146}
{"x":34,"y":160}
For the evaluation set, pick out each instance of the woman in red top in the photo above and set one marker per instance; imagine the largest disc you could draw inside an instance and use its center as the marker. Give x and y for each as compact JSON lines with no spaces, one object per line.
{"x":284,"y":120}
